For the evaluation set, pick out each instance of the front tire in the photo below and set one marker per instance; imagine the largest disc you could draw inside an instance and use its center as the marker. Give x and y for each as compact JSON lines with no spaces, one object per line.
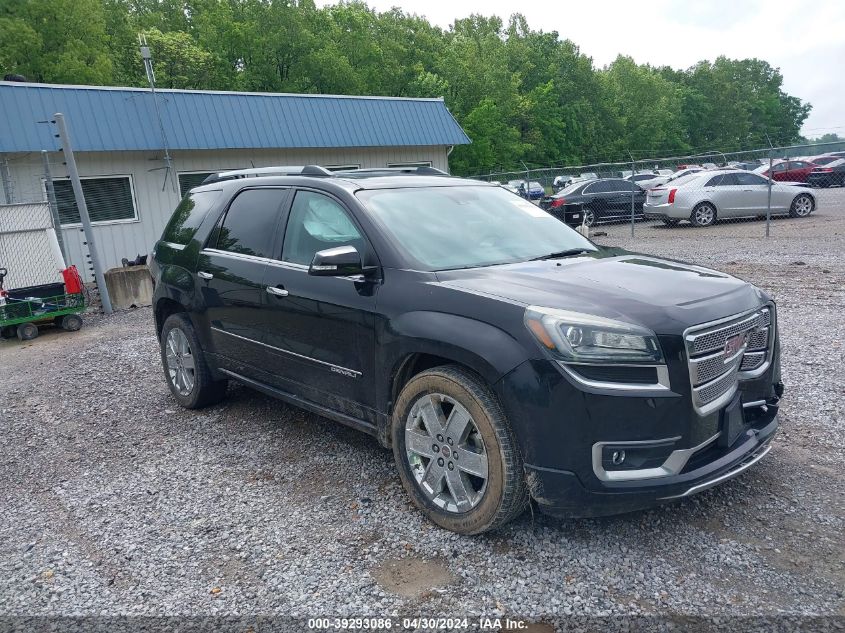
{"x":703,"y":215}
{"x":185,"y":368}
{"x":27,"y":331}
{"x":456,"y":453}
{"x":802,"y":206}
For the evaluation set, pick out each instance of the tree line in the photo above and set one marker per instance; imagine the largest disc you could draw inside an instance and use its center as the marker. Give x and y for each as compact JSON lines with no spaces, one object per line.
{"x":522,"y":95}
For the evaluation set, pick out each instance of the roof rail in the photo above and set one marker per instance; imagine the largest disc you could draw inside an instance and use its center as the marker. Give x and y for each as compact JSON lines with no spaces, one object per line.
{"x":390,"y":171}
{"x":255,"y":172}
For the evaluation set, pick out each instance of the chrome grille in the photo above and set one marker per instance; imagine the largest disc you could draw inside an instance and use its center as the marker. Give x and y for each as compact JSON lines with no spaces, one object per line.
{"x":714,"y":375}
{"x":752,"y":360}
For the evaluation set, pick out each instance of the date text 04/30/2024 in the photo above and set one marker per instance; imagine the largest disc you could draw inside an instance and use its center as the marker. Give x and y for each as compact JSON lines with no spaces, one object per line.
{"x":424,"y":623}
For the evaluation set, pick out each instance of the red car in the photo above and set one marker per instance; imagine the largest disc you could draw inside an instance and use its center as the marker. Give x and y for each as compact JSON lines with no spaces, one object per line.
{"x":788,"y":170}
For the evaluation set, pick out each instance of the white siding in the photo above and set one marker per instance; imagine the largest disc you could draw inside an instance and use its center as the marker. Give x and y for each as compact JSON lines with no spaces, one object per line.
{"x":154,"y":205}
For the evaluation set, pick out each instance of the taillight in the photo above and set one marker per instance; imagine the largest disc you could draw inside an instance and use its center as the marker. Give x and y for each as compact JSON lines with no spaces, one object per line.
{"x":557,"y":202}
{"x":820,"y":170}
{"x":672,"y":195}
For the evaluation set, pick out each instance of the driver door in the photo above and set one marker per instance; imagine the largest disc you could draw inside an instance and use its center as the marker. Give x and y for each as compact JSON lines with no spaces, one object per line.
{"x":321,"y":330}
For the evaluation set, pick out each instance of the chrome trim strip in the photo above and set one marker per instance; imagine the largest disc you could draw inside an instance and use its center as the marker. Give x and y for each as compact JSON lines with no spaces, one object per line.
{"x":350,"y":373}
{"x":661,"y":385}
{"x":173,"y":245}
{"x":254,"y":258}
{"x":672,"y":466}
{"x":728,"y":475}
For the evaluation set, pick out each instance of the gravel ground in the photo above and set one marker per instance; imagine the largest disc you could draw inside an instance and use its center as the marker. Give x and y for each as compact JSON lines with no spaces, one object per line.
{"x":116,"y":501}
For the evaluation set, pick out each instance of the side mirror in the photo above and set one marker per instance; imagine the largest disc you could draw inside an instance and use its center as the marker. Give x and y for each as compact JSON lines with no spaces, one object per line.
{"x":341,"y":261}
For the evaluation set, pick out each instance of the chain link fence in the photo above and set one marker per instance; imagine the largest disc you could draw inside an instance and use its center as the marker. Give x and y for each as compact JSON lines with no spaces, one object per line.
{"x":31,"y":240}
{"x":783,"y":191}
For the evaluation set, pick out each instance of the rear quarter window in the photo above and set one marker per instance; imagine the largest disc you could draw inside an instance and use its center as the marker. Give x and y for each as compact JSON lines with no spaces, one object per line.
{"x":189,"y":215}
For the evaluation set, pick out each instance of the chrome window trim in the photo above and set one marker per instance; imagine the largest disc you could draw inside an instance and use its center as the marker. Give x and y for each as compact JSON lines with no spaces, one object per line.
{"x":173,"y":245}
{"x":662,"y":384}
{"x":338,"y":369}
{"x":250,"y":258}
{"x":673,"y":465}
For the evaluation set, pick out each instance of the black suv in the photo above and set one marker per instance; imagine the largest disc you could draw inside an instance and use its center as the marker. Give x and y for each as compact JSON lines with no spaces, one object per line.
{"x":501,"y":355}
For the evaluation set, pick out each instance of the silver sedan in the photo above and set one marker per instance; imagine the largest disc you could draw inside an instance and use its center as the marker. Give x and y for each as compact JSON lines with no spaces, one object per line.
{"x":704,"y":197}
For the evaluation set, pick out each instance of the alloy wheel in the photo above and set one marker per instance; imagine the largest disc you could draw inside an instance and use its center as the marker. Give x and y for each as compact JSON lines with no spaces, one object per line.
{"x":803,"y":205}
{"x":446,"y":453}
{"x":704,"y":214}
{"x":181,"y":368}
{"x":589,"y":217}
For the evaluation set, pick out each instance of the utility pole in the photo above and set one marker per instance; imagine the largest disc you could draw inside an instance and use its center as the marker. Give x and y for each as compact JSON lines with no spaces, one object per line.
{"x":151,"y":78}
{"x":771,"y":175}
{"x":73,"y":174}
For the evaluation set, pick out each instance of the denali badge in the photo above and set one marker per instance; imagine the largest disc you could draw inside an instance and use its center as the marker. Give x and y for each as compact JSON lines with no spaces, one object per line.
{"x":735,"y":344}
{"x":344,"y":372}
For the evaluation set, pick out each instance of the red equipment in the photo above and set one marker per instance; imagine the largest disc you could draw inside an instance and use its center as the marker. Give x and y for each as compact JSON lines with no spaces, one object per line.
{"x":73,"y":282}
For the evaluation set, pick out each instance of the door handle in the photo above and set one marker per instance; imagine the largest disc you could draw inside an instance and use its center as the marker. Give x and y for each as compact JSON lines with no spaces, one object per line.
{"x":204,"y":275}
{"x":277,"y":291}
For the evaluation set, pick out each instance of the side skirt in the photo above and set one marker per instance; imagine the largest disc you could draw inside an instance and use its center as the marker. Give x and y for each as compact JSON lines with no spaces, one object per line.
{"x":355,"y":423}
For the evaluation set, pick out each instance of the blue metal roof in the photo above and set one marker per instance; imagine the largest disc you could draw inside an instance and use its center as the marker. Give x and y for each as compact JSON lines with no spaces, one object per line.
{"x":108,"y":119}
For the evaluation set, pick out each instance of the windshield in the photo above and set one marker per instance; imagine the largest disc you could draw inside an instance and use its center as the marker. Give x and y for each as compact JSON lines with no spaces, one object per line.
{"x":442,"y":228}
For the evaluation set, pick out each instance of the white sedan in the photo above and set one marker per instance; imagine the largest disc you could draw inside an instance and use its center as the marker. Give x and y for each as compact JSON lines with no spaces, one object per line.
{"x":704,"y":197}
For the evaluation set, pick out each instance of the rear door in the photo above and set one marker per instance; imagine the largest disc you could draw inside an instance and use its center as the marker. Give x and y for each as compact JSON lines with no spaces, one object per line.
{"x":231,"y":270}
{"x":321,"y":330}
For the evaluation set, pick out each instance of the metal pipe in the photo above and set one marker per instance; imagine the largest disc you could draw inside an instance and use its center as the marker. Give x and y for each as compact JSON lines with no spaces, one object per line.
{"x":54,"y":206}
{"x":73,"y":174}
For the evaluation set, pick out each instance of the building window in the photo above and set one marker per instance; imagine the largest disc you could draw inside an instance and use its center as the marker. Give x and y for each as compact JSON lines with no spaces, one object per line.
{"x":422,"y":163}
{"x":342,"y":167}
{"x":191,"y":179}
{"x":109,"y":199}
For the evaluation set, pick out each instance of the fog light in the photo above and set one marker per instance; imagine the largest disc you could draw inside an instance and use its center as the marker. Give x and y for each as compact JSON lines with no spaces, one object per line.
{"x":618,"y":457}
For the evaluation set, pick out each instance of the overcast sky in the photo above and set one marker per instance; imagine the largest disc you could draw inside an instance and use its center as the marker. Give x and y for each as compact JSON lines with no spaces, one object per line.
{"x":805,"y":39}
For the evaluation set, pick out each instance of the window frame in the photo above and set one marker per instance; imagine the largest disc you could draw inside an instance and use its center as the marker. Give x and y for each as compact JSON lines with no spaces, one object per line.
{"x":194,"y":172}
{"x":590,"y":188}
{"x":134,"y":198}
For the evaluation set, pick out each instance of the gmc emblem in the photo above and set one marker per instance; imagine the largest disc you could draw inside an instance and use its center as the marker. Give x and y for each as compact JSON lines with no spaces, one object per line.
{"x":735,"y":344}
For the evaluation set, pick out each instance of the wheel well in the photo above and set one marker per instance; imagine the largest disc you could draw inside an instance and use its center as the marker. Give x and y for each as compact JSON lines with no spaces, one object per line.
{"x":164,"y":308}
{"x":414,"y":364}
{"x":809,"y":195}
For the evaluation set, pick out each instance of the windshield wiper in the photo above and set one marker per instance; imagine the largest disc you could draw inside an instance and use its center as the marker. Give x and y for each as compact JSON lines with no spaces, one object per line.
{"x":560,"y":254}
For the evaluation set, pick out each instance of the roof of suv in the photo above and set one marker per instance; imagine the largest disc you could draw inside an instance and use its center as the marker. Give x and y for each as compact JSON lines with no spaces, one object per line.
{"x":387,"y":178}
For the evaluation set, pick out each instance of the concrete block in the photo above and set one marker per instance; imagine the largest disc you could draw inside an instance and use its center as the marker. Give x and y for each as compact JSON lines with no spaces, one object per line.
{"x":129,"y":286}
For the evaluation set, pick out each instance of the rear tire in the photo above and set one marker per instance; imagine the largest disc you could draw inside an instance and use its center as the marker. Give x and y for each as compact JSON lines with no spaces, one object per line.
{"x":27,"y":331}
{"x":445,"y":414}
{"x":802,"y":206}
{"x":590,"y":217}
{"x":70,"y":322}
{"x":185,"y":368}
{"x":704,"y":214}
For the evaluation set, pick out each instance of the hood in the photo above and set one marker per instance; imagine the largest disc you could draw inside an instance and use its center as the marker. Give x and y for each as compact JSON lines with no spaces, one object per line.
{"x":663,"y":295}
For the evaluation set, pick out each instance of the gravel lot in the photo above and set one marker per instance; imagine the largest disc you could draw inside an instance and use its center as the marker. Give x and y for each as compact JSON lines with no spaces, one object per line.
{"x":116,"y":501}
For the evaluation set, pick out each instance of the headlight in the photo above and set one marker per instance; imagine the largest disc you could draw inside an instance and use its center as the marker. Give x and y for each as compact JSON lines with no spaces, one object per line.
{"x":583,"y":338}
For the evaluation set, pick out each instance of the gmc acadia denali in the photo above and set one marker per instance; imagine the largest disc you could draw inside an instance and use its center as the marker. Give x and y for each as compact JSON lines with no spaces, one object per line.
{"x":501,"y":355}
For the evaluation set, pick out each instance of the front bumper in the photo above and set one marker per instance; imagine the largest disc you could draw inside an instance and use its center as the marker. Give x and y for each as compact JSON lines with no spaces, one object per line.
{"x":561,"y":493}
{"x":560,"y":424}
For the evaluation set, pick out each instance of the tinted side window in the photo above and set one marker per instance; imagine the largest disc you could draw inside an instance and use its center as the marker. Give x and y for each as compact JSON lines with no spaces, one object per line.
{"x":722,"y":180}
{"x":626,"y":186}
{"x":751,"y":179}
{"x":599,"y":187}
{"x":317,"y":222}
{"x":188,"y":216}
{"x":779,"y":167}
{"x":250,"y":223}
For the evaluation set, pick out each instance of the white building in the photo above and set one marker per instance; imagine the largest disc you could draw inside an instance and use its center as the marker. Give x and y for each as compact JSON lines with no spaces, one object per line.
{"x":119,"y":145}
